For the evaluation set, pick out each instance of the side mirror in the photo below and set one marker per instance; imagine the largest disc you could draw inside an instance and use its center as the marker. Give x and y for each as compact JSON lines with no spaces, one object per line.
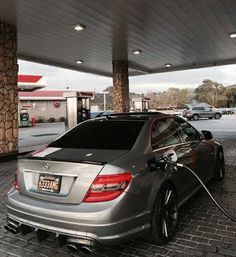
{"x":207,"y":135}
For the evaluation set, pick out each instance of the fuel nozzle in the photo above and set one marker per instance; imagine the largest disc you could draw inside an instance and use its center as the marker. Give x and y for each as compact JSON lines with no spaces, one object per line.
{"x":170,"y":158}
{"x":162,"y":161}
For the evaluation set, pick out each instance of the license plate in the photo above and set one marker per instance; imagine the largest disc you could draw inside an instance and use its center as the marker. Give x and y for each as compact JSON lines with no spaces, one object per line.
{"x":49,"y":183}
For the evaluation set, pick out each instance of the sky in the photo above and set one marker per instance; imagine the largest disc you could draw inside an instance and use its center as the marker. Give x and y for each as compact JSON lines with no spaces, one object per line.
{"x":60,"y":79}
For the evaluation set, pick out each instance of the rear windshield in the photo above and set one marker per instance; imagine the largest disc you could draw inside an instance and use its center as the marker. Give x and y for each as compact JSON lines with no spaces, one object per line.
{"x":101,"y":134}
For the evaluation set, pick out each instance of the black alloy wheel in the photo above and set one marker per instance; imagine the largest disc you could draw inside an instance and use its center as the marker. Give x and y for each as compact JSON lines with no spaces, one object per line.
{"x":219,"y":166}
{"x":217,"y":116}
{"x":195,"y":117}
{"x":164,"y":220}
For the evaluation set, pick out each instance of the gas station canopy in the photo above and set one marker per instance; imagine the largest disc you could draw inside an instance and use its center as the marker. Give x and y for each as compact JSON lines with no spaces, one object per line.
{"x":31,"y":82}
{"x":154,"y":35}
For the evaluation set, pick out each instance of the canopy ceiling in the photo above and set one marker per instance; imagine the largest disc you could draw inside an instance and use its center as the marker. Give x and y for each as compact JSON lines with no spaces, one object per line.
{"x":186,"y":33}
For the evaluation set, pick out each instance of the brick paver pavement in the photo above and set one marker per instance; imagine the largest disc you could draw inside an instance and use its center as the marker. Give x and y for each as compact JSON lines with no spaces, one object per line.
{"x":203,"y":231}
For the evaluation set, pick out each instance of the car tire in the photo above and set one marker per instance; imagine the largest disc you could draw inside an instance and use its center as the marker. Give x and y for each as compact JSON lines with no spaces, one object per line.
{"x":164,"y":219}
{"x":188,"y":118}
{"x":219,"y":166}
{"x":195,"y":117}
{"x":217,"y":116}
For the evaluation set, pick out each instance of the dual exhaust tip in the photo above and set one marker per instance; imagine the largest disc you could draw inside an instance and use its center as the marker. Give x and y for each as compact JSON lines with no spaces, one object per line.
{"x":11,"y":228}
{"x":73,"y":247}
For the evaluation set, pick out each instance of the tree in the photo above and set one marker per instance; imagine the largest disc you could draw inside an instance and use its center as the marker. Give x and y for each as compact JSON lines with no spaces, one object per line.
{"x":211,"y":92}
{"x":231,"y":95}
{"x":184,"y":97}
{"x":173,"y":97}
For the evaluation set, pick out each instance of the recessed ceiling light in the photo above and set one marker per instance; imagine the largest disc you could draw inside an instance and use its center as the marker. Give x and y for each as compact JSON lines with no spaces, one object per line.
{"x":79,"y":27}
{"x":168,"y":65}
{"x":79,"y":61}
{"x":232,"y":34}
{"x":137,"y":52}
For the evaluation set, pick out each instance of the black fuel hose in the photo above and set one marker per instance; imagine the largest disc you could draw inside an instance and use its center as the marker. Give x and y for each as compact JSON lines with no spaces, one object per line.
{"x":211,"y":196}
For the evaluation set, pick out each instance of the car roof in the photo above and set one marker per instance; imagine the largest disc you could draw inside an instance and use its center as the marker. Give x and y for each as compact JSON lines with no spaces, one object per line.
{"x":129,"y":116}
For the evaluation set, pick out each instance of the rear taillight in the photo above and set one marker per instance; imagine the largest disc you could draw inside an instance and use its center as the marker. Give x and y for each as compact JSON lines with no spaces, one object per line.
{"x":15,"y":183}
{"x":108,"y":187}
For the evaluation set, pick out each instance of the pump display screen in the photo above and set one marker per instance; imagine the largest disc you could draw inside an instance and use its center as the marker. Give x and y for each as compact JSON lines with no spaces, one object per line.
{"x":24,"y":116}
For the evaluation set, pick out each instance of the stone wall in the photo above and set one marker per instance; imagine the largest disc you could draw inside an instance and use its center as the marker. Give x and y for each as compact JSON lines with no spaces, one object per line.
{"x":8,"y":90}
{"x":121,"y":101}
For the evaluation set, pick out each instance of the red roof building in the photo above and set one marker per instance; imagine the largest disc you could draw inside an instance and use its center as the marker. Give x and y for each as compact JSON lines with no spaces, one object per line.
{"x":31,"y":82}
{"x":42,"y":95}
{"x":46,"y":104}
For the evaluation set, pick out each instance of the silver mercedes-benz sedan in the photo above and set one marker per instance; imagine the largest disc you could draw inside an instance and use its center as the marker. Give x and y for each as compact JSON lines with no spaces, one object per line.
{"x":104,"y":181}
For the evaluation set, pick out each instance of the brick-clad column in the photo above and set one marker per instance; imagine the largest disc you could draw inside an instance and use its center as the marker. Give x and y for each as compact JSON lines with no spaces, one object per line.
{"x":8,"y":90}
{"x":121,"y":86}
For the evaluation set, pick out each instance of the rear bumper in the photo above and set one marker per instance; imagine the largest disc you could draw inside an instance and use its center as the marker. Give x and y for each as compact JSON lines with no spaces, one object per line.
{"x":73,"y":221}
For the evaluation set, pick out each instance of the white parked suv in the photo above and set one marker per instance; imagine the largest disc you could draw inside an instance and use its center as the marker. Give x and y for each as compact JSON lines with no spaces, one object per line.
{"x":196,"y":112}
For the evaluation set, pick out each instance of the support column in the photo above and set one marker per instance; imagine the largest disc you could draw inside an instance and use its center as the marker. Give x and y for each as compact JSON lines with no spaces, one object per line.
{"x":8,"y":90}
{"x":121,"y":86}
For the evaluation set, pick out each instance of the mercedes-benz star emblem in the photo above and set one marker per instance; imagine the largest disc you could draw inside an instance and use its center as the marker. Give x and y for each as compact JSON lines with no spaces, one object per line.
{"x":45,"y":166}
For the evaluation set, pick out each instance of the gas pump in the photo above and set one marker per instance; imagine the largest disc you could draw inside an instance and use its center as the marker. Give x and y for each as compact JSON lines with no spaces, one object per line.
{"x":140,"y":104}
{"x":77,"y":107}
{"x":145,"y":104}
{"x":23,"y":118}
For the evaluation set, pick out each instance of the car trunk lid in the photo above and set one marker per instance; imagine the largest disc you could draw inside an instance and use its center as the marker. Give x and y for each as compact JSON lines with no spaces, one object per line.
{"x":62,"y":175}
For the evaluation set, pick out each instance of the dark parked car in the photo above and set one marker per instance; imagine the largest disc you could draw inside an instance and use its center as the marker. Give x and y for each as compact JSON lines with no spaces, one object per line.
{"x":100,"y":114}
{"x":227,"y":111}
{"x":196,"y":112}
{"x":104,"y":180}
